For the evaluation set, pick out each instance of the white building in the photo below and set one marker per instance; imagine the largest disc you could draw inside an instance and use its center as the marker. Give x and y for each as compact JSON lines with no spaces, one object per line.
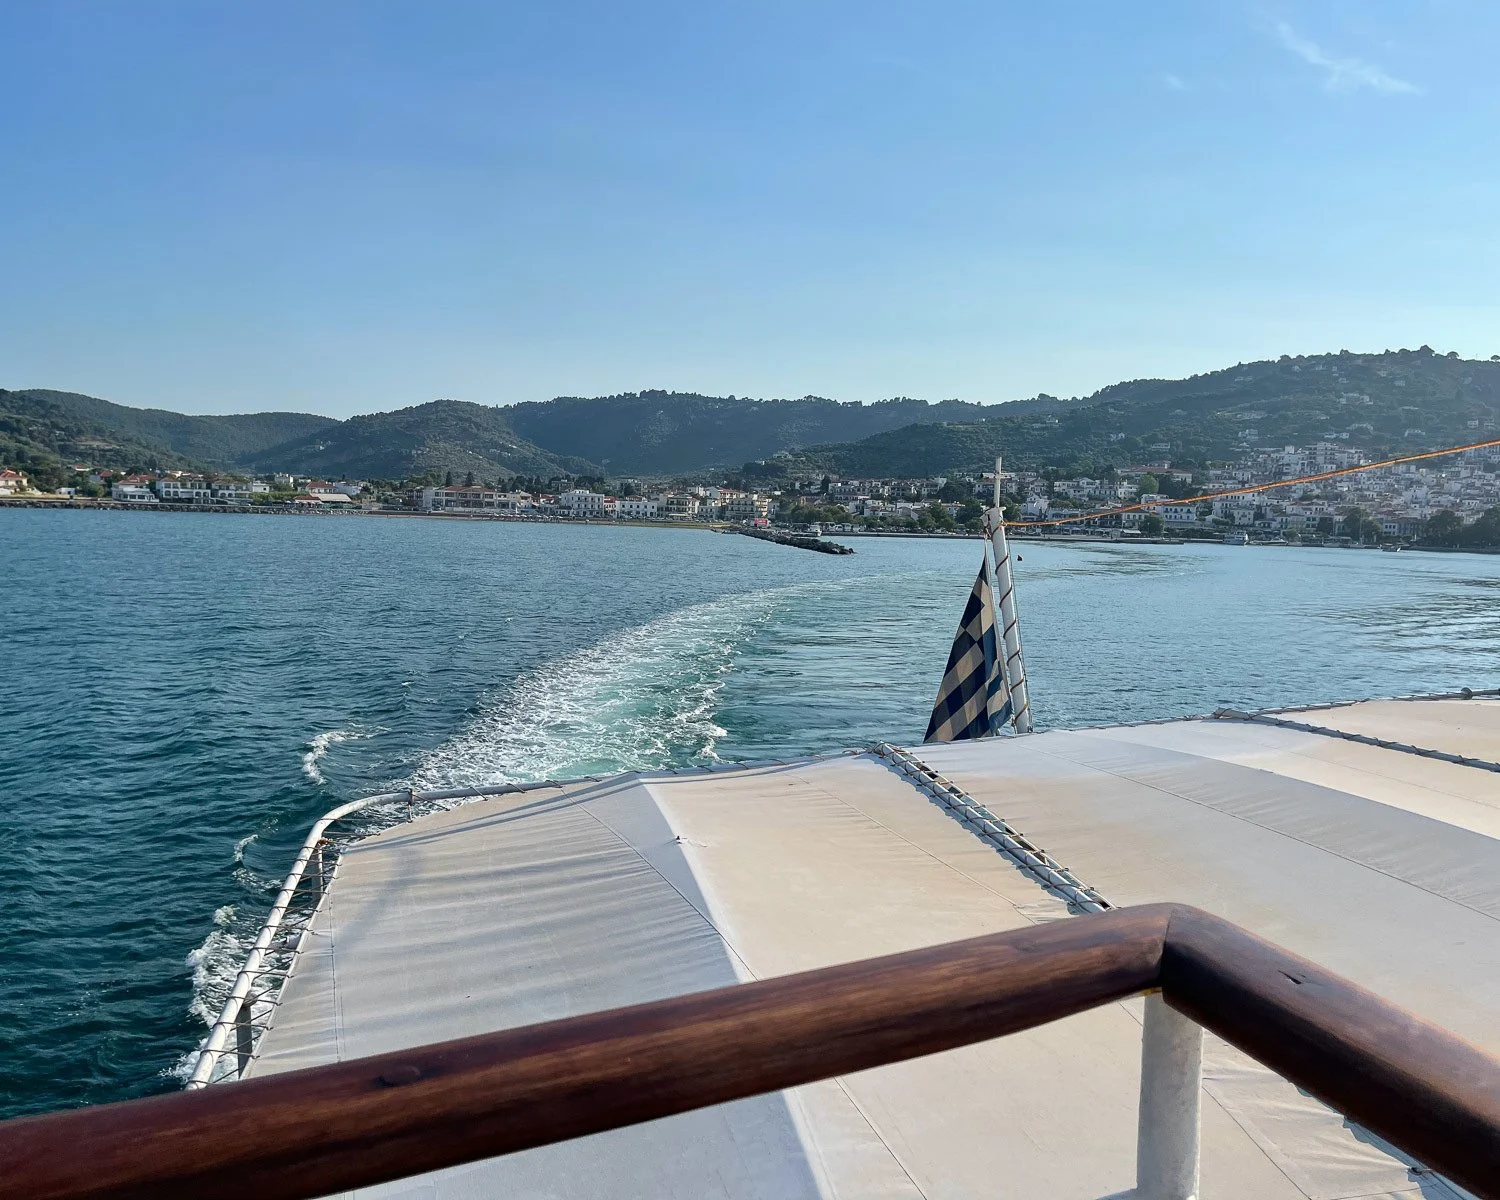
{"x":634,"y":508}
{"x":12,"y":482}
{"x":233,"y":491}
{"x":460,"y":498}
{"x":581,"y":503}
{"x":746,"y":506}
{"x":193,"y":489}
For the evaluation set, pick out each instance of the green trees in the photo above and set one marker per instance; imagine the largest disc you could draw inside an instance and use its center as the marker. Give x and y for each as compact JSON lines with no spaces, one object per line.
{"x":1447,"y":529}
{"x":971,"y":514}
{"x":1149,"y":484}
{"x":1444,"y":529}
{"x":1152,"y":525}
{"x":1359,"y":525}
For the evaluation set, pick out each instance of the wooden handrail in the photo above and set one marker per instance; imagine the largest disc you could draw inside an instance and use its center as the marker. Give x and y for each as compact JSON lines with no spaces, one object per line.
{"x":313,"y":1132}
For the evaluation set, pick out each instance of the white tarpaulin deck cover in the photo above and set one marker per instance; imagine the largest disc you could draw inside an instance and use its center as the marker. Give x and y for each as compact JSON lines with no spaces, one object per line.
{"x":1383,"y":865}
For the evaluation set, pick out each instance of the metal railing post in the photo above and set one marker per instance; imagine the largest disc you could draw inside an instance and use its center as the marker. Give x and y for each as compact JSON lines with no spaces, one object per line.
{"x":244,"y":1033}
{"x":1166,"y":1157}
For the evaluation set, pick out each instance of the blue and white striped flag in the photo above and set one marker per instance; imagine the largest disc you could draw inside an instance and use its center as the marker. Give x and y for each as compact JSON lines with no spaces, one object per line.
{"x":972,"y":700}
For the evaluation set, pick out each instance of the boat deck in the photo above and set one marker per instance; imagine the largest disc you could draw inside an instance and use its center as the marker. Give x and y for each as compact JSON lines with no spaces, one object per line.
{"x":1380,"y":863}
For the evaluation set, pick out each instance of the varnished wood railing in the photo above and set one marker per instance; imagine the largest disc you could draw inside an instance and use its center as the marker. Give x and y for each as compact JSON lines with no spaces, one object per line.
{"x":314,"y":1132}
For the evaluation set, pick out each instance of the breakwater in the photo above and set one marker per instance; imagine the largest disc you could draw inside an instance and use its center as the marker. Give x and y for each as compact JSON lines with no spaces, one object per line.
{"x":802,"y":541}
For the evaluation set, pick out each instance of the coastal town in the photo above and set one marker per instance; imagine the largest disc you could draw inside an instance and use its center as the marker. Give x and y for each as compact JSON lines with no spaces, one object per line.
{"x":1443,"y":500}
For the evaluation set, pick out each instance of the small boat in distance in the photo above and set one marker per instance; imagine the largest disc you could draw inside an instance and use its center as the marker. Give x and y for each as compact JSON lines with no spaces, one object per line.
{"x":1236,"y":539}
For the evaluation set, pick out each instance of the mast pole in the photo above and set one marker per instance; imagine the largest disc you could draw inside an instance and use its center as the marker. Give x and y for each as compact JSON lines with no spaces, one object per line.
{"x":1010,"y":629}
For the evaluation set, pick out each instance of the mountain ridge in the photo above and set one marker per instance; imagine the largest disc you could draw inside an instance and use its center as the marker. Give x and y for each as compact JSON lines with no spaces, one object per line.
{"x":1377,"y":402}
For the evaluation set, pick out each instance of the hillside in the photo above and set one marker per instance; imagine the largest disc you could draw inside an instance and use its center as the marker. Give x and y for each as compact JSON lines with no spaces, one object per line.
{"x":221,"y":441}
{"x":665,"y":433}
{"x":38,"y":436}
{"x":1381,"y":403}
{"x":1409,"y":399}
{"x":441,"y":436}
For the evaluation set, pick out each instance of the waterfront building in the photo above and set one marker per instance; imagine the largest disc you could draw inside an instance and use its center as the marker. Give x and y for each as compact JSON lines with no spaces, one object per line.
{"x":579,"y":502}
{"x":12,"y":482}
{"x":746,"y":506}
{"x":460,"y":498}
{"x":192,"y":489}
{"x":232,"y":491}
{"x":636,"y":508}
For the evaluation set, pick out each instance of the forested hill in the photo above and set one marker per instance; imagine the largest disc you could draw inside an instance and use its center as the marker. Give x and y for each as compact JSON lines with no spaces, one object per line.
{"x":157,"y":433}
{"x":37,"y":435}
{"x":664,"y":433}
{"x":1380,"y":403}
{"x":433,"y":438}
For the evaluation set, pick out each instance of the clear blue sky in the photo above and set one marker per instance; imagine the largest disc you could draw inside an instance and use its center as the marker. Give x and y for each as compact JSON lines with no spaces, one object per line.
{"x":344,"y":207}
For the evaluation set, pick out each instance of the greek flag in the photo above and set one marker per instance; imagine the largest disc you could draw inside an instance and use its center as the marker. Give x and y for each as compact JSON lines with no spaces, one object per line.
{"x":972,"y":700}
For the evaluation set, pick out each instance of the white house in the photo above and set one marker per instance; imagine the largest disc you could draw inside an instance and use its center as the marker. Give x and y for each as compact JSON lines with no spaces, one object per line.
{"x":233,"y":491}
{"x":579,"y":502}
{"x":635,"y":508}
{"x":747,"y":506}
{"x":12,"y":482}
{"x":191,"y":488}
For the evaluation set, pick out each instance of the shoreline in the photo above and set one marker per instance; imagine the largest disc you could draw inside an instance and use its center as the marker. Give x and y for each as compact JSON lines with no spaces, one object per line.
{"x":100,"y":504}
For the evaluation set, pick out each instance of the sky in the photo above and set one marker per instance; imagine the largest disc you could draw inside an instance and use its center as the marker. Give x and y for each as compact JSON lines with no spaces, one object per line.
{"x":346,"y":207}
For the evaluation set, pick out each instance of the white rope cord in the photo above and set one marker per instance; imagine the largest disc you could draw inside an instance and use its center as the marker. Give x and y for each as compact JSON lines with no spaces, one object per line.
{"x":1030,"y":857}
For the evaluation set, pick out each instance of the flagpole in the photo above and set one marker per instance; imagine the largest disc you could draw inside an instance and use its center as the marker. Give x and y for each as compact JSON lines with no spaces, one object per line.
{"x":1010,"y":629}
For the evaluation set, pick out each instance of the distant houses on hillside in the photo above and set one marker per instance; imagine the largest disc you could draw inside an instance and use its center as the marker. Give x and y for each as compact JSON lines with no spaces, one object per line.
{"x":1300,"y":492}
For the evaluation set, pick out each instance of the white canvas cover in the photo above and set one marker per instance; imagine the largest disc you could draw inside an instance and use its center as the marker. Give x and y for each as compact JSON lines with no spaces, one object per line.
{"x":1379,"y":864}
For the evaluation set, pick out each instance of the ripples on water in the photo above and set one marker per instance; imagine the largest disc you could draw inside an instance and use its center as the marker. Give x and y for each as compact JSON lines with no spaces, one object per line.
{"x":190,"y":692}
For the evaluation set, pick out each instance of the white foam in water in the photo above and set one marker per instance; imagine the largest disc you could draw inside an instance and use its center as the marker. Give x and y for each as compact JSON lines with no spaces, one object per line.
{"x":640,"y":699}
{"x":318,"y":747}
{"x":216,"y":962}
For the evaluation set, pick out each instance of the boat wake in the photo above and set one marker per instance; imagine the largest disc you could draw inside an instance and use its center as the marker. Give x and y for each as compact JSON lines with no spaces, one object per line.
{"x":215,"y":963}
{"x":318,"y":747}
{"x":641,"y":699}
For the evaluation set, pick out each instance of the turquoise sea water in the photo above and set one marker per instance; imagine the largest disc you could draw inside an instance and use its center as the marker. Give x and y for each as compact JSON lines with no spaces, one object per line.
{"x":184,"y":695}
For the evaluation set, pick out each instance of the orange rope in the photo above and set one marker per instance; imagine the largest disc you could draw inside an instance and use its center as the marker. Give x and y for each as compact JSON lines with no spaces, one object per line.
{"x":1259,"y":487}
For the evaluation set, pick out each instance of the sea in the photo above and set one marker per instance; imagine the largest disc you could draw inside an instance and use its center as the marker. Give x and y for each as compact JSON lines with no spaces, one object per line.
{"x":181,"y":696}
